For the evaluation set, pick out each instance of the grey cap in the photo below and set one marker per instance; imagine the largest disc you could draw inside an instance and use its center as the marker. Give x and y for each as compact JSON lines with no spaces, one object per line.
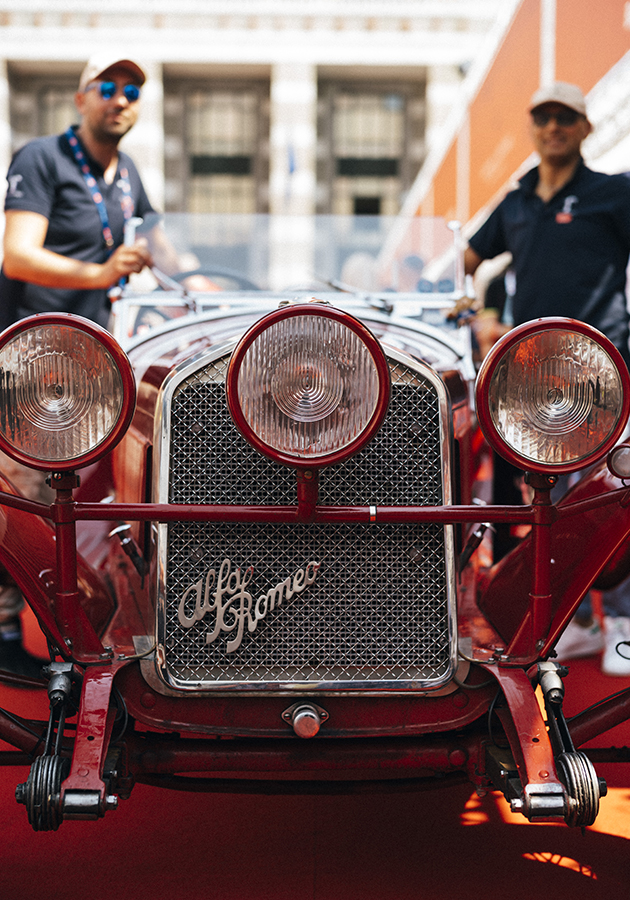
{"x":560,"y":92}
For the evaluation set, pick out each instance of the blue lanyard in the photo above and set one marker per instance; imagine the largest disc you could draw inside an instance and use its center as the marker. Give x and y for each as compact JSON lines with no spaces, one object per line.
{"x":126,"y":202}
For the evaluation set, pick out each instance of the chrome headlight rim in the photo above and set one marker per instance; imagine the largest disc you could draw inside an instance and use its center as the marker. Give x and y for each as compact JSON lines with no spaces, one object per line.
{"x":122,"y":364}
{"x":299,"y":310}
{"x":498,"y":354}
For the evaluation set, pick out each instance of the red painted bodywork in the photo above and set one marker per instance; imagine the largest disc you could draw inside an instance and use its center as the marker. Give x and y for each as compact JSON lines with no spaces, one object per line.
{"x":28,"y":550}
{"x":511,"y":615}
{"x":598,"y":506}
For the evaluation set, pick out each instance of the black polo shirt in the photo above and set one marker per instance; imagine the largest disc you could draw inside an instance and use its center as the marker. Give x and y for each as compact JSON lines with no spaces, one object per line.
{"x":44,"y":178}
{"x":570,"y":254}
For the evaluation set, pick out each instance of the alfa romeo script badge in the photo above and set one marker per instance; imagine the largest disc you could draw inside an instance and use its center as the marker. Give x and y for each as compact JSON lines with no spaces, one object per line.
{"x":232,"y":604}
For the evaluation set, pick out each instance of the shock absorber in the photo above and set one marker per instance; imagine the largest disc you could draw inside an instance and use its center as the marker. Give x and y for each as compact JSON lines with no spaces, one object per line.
{"x":575,"y":770}
{"x":41,"y":792}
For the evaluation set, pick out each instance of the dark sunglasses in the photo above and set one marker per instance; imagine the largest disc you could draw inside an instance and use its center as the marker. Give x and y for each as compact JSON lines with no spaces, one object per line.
{"x":107,"y":90}
{"x":564,"y":118}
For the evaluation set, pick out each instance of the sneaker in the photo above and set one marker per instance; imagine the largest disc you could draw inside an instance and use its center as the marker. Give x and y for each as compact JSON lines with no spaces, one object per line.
{"x":616,"y":659}
{"x":579,"y":640}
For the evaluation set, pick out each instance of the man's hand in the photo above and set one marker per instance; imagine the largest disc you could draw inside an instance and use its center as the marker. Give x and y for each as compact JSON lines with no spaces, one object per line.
{"x":124,"y":261}
{"x":488,"y":329}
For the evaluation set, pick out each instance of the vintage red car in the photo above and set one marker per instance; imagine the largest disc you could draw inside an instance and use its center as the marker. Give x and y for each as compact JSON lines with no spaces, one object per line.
{"x":262,"y":571}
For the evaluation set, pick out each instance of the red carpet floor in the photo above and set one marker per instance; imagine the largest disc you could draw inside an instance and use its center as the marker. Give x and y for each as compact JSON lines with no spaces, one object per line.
{"x":423,"y":846}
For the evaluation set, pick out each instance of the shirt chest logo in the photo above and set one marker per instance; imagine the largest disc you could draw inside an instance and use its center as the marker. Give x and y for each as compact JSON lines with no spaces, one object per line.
{"x":565,"y":215}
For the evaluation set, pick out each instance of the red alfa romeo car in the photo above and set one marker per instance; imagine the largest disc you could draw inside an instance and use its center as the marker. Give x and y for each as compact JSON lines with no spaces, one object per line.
{"x":267,"y":564}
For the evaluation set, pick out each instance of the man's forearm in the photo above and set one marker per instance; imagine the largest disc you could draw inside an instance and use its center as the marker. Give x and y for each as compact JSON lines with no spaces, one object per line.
{"x":48,"y":269}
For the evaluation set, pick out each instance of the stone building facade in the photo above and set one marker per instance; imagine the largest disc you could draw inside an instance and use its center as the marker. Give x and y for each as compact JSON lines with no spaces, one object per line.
{"x":279,"y":106}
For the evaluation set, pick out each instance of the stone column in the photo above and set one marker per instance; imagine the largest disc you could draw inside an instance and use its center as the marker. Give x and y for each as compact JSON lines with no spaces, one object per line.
{"x":443,"y":91}
{"x":145,"y":142}
{"x":293,"y":138}
{"x":292,"y":175}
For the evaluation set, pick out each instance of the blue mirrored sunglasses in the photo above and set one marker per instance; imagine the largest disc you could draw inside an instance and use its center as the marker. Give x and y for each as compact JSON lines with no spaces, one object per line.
{"x":564,"y":118}
{"x":107,"y":90}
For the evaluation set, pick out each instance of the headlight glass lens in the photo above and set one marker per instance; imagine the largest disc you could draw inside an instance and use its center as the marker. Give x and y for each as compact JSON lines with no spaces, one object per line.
{"x":308,"y":386}
{"x":61,"y":393}
{"x":555,"y":397}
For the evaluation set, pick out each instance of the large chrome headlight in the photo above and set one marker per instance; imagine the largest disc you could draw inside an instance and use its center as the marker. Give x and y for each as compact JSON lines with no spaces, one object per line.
{"x":67,"y":392}
{"x":308,"y":385}
{"x":553,"y":395}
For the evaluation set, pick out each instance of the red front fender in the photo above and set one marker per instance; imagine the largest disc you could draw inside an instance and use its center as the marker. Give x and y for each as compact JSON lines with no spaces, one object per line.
{"x":582,"y":546}
{"x":28,"y":552}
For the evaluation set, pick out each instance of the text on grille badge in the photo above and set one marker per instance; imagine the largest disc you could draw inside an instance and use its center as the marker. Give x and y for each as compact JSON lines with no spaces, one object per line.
{"x":232,"y":604}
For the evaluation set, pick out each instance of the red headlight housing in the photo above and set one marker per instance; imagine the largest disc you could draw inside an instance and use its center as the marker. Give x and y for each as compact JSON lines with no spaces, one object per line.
{"x":553,"y":395}
{"x":67,"y":392}
{"x":308,"y":386}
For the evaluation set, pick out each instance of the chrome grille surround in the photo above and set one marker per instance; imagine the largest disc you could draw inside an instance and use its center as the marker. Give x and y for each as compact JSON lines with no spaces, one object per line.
{"x":381,"y":614}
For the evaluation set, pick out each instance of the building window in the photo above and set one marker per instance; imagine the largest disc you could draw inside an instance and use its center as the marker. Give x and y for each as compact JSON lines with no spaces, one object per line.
{"x":218,"y":140}
{"x":371,"y":145}
{"x":56,"y":109}
{"x":40,"y":106}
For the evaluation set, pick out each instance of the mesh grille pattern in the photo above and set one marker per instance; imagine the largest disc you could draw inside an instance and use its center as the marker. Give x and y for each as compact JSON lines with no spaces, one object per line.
{"x":377,"y":610}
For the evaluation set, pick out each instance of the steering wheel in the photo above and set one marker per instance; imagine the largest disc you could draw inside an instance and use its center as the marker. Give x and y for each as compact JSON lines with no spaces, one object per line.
{"x":219,"y":272}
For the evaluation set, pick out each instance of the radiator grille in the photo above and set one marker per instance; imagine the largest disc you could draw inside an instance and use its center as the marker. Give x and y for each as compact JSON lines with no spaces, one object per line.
{"x":377,"y":611}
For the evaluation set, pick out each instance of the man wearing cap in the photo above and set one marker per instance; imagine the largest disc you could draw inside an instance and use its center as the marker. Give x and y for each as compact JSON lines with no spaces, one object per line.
{"x":568,"y":230}
{"x":567,"y":227}
{"x":67,"y":202}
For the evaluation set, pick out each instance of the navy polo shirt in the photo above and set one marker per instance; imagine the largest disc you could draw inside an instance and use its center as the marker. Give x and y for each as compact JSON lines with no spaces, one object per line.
{"x":569,"y":254}
{"x":44,"y":178}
